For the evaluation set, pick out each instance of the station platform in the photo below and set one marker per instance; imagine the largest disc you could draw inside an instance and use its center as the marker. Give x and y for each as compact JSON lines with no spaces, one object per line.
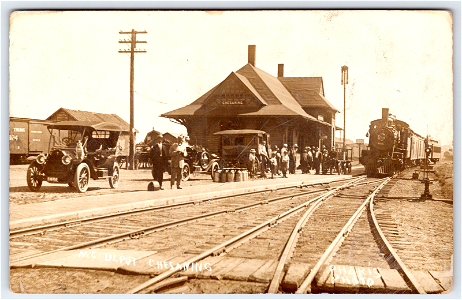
{"x":330,"y":279}
{"x":36,"y":214}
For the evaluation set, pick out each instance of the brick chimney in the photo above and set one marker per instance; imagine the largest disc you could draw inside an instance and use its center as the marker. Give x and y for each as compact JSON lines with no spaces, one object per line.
{"x":280,"y":70}
{"x":252,"y":54}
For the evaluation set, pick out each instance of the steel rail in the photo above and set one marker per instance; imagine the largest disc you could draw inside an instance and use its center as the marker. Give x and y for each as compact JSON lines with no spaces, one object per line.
{"x":151,"y":229}
{"x":77,"y":222}
{"x":405,"y":270}
{"x":222,"y":247}
{"x":305,"y":287}
{"x":290,"y":245}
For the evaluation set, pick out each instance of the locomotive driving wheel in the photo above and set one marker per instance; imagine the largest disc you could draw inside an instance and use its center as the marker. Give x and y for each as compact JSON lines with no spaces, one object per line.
{"x":348,"y":167}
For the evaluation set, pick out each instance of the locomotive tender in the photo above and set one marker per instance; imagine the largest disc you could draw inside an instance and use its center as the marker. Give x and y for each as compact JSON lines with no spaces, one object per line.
{"x":394,"y":146}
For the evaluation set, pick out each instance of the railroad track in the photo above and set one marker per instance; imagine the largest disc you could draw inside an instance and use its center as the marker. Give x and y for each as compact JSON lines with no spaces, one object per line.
{"x":300,"y":248}
{"x":227,"y":245}
{"x":270,"y":228}
{"x":98,"y":231}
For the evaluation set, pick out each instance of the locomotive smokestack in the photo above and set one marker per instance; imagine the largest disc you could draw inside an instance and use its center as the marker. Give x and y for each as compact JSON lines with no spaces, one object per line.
{"x":252,"y":54}
{"x":385,"y":112}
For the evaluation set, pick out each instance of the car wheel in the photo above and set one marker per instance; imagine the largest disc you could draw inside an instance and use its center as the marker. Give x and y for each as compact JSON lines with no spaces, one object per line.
{"x":205,"y":160}
{"x":185,"y":173}
{"x":114,"y":180}
{"x":215,"y":167}
{"x":34,"y":177}
{"x":82,"y":178}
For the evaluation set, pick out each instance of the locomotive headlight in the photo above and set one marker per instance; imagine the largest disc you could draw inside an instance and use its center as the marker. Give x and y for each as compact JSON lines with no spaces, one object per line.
{"x":428,"y":150}
{"x":41,"y":159}
{"x":66,"y":159}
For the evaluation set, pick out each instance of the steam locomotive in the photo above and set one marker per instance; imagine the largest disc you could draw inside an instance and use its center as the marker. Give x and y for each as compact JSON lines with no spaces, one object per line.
{"x":395,"y":146}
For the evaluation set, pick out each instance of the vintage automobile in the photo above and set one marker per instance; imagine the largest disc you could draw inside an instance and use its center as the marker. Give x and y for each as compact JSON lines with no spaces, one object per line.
{"x":235,"y":146}
{"x":79,"y":151}
{"x":198,"y":158}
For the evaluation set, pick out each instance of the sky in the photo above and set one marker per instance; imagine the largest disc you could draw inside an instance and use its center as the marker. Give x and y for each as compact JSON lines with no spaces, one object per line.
{"x":401,"y":60}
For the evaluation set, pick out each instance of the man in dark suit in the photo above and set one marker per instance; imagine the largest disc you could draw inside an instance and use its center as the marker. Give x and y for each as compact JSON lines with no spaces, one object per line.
{"x":159,"y":157}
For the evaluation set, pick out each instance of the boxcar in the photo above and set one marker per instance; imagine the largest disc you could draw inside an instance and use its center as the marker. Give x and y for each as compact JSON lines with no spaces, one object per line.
{"x":28,"y":137}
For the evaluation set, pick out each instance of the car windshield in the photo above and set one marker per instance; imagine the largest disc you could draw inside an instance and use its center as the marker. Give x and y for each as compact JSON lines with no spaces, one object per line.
{"x":65,"y":138}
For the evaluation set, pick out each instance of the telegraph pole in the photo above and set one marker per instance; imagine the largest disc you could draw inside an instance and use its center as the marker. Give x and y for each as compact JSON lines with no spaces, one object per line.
{"x":344,"y":83}
{"x":132,"y":51}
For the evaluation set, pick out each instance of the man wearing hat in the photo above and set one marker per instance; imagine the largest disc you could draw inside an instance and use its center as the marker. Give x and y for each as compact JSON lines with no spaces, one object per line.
{"x":304,"y":161}
{"x":310,"y":159}
{"x":252,"y":164}
{"x":159,"y":158}
{"x":177,"y":153}
{"x":284,"y":160}
{"x":317,"y":159}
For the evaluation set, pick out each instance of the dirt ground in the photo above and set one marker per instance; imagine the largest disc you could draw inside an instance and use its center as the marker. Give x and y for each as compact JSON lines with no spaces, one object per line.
{"x":428,"y":225}
{"x":429,"y":221}
{"x":130,"y":180}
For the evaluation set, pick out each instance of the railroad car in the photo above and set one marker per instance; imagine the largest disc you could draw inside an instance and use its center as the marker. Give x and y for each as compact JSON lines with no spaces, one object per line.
{"x":28,"y":137}
{"x":393,"y":146}
{"x":435,"y":154}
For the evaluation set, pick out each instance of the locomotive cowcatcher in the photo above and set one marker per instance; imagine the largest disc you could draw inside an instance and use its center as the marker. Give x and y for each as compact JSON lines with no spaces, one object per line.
{"x":78,"y":151}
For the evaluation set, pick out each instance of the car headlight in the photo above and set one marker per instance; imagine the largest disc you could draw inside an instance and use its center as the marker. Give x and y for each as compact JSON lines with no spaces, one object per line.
{"x":41,"y":159}
{"x":66,"y":159}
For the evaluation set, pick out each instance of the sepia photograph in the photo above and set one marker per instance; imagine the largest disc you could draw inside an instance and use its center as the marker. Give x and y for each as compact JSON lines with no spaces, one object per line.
{"x":231,"y":152}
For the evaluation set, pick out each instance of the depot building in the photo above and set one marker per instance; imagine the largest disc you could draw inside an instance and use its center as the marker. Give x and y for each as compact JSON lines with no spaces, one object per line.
{"x":292,"y":110}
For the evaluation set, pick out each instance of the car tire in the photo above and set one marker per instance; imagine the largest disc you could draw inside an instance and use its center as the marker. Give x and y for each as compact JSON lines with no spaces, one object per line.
{"x":82,"y":178}
{"x":115,"y":178}
{"x":34,"y":180}
{"x":205,"y":160}
{"x":185,"y":172}
{"x":215,"y":167}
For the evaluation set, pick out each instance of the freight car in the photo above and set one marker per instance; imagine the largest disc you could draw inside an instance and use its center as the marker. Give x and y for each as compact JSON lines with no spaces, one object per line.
{"x":28,"y":137}
{"x":393,"y":146}
{"x":435,"y":154}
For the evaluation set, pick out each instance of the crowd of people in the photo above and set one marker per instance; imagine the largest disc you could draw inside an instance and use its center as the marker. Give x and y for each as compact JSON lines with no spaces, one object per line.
{"x":285,"y":160}
{"x":261,"y":161}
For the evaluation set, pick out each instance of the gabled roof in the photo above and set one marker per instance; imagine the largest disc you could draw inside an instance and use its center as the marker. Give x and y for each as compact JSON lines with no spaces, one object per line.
{"x":92,"y":117}
{"x":308,"y":91}
{"x":107,"y":126}
{"x":274,"y":96}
